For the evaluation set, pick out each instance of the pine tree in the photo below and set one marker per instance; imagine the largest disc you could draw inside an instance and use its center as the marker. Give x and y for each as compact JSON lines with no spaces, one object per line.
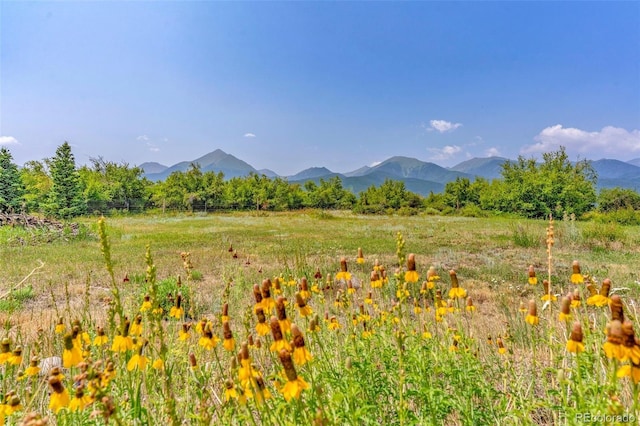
{"x":65,"y":198}
{"x":11,"y":187}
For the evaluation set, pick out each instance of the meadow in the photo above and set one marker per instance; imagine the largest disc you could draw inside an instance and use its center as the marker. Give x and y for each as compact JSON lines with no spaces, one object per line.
{"x":274,"y":318}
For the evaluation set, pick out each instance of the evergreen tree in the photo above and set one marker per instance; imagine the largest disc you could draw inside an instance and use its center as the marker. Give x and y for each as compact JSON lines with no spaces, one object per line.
{"x":65,"y":198}
{"x":11,"y":187}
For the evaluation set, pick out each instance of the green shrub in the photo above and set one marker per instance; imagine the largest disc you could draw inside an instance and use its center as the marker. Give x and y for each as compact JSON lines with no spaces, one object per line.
{"x":597,"y":233}
{"x":523,"y":236}
{"x":16,"y":299}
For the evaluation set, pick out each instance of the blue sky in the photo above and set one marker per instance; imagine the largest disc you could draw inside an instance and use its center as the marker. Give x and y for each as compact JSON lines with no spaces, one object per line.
{"x":290,"y":85}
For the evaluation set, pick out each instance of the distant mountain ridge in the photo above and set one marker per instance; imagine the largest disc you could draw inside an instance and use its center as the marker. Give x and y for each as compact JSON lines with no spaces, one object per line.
{"x":419,"y":176}
{"x":215,"y":161}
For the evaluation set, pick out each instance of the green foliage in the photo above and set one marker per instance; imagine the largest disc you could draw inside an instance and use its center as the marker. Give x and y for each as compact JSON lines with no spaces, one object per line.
{"x":11,"y":186}
{"x":535,"y":190}
{"x":626,"y":217}
{"x":596,"y":234}
{"x":16,"y":299}
{"x":116,"y":185}
{"x":65,"y":199}
{"x":524,"y":236}
{"x":37,"y":184}
{"x":615,"y":199}
{"x":168,"y":290}
{"x":462,"y":192}
{"x":391,"y":195}
{"x":329,"y":194}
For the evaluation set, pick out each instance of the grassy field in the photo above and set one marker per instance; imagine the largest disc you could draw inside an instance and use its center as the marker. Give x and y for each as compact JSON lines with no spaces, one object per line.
{"x":392,"y":358}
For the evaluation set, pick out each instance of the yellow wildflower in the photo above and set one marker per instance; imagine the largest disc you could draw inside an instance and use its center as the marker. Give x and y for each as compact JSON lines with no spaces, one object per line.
{"x":60,"y":327}
{"x":34,"y":367}
{"x":278,"y":341}
{"x":146,"y":304}
{"x":229,"y":342}
{"x":300,"y":353}
{"x":574,"y":344}
{"x":80,"y":400}
{"x":532,"y":316}
{"x":100,"y":339}
{"x":72,"y":355}
{"x":411,"y":276}
{"x":138,"y":360}
{"x":59,"y":395}
{"x":16,"y":356}
{"x":295,"y":384}
{"x":533,"y":280}
{"x":576,"y":276}
{"x":344,"y":274}
{"x":208,"y":340}
{"x":456,"y":292}
{"x":177,"y":311}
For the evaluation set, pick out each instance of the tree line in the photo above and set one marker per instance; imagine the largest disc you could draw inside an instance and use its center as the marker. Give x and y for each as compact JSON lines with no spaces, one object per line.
{"x":56,"y":187}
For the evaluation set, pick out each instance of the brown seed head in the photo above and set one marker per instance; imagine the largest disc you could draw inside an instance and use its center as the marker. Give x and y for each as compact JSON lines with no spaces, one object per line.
{"x":280,"y":309}
{"x":469,"y":302}
{"x":56,"y":384}
{"x":226,"y":330}
{"x":617,"y":312}
{"x":375,"y":276}
{"x":614,"y":332}
{"x":532,"y":272}
{"x":260,"y":315}
{"x":565,"y":306}
{"x":576,"y":332}
{"x":276,"y":330}
{"x":300,"y":301}
{"x":575,"y":266}
{"x":360,"y":255}
{"x":266,"y":288}
{"x":298,"y":338}
{"x":454,"y":278}
{"x":533,"y":309}
{"x":343,"y":264}
{"x":244,"y":351}
{"x":287,"y":363}
{"x":545,"y":285}
{"x":628,"y":334}
{"x":68,"y":341}
{"x":576,"y":295}
{"x":606,"y":286}
{"x":411,"y":262}
{"x":257,"y":294}
{"x":225,"y":310}
{"x":304,"y":285}
{"x":431,"y":273}
{"x":192,"y":360}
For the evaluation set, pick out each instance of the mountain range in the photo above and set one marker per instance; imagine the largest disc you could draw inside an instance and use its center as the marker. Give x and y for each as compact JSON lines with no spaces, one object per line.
{"x":419,"y":176}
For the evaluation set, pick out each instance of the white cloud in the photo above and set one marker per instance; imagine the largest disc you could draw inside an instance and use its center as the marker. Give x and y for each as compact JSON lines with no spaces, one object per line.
{"x":8,"y":140}
{"x":492,"y":152}
{"x":610,"y":140}
{"x":143,"y":138}
{"x":152,"y":147}
{"x":443,"y":126}
{"x":444,"y":153}
{"x":249,"y":135}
